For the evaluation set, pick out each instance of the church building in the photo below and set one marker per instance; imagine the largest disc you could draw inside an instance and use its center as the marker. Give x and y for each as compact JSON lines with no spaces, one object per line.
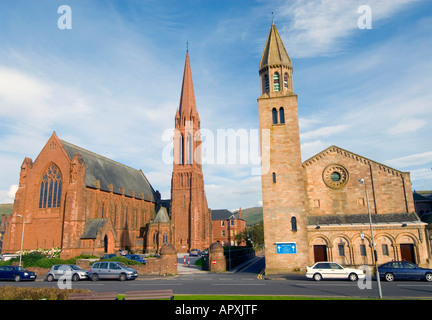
{"x":84,"y":203}
{"x":318,"y":210}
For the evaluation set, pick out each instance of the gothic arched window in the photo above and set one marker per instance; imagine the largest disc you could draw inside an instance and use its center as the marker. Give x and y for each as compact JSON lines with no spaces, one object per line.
{"x":276,"y":82}
{"x":274,"y":116}
{"x":281,"y":115}
{"x":189,"y":149}
{"x":180,"y":155}
{"x":50,"y":188}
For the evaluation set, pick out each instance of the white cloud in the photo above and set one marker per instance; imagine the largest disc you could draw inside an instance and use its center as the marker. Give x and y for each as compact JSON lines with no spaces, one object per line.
{"x":324,"y":132}
{"x":407,"y":125}
{"x":411,"y":160}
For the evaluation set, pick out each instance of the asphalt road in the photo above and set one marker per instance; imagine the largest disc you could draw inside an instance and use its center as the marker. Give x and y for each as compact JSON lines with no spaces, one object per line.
{"x":247,"y":282}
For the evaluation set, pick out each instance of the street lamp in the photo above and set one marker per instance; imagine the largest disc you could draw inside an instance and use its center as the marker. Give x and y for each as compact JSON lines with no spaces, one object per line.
{"x":373,"y":240}
{"x":22,"y":238}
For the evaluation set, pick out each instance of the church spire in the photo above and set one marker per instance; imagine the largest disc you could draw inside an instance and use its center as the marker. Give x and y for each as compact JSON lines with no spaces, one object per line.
{"x":187,"y":99}
{"x":274,"y":53}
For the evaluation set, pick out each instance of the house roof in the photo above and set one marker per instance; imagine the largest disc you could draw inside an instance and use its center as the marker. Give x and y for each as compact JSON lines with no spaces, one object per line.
{"x":162,"y":216}
{"x":223,"y":214}
{"x":107,"y":171}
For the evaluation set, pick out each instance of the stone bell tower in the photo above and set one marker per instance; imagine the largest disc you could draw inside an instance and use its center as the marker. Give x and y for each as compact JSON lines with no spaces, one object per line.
{"x":189,"y":211}
{"x":283,"y":177}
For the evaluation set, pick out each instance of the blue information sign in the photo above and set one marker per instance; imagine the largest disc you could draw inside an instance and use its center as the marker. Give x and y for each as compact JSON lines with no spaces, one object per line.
{"x":286,"y":247}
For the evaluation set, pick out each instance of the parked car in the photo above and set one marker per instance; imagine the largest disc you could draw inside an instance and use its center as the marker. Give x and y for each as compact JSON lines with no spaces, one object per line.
{"x":403,"y":270}
{"x":194,"y":252}
{"x":112,"y":270}
{"x":8,"y":256}
{"x":135,"y":257}
{"x":108,"y":256}
{"x":333,"y":270}
{"x":123,"y":252}
{"x":69,"y":271}
{"x":16,"y":273}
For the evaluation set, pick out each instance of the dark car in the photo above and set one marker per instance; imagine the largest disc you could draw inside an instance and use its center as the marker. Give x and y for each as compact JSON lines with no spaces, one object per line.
{"x":403,"y":270}
{"x":135,"y":257}
{"x":16,"y":273}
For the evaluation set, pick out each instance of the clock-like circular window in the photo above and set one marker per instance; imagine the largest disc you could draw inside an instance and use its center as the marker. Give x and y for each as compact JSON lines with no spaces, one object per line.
{"x":335,"y":176}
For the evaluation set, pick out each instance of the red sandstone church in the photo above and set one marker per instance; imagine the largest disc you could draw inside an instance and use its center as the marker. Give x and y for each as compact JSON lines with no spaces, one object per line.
{"x":84,"y":203}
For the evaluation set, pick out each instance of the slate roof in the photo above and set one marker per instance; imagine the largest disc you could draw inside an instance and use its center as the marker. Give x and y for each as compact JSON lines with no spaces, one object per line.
{"x":162,"y":216}
{"x":91,"y":228}
{"x":363,"y":219}
{"x":223,"y":214}
{"x":108,"y":171}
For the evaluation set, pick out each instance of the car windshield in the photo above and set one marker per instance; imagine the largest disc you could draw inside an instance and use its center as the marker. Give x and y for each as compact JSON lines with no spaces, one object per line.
{"x":21,"y":269}
{"x":75,"y":267}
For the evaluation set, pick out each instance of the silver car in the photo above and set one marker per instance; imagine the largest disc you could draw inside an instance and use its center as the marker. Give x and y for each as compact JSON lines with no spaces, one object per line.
{"x":67,"y":271}
{"x":112,"y":270}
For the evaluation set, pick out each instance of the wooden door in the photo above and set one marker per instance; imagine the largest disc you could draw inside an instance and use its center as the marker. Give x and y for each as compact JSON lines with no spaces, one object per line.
{"x":407,"y":252}
{"x":320,"y":253}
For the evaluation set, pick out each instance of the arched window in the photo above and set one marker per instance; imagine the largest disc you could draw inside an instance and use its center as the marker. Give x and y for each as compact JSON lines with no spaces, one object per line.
{"x":276,"y":82}
{"x":293,"y":224}
{"x":189,"y":149}
{"x":274,"y":177}
{"x":266,"y":83}
{"x":281,"y":115}
{"x":50,"y":189}
{"x":286,"y":80}
{"x":165,"y":238}
{"x":274,"y":116}
{"x":180,"y":152}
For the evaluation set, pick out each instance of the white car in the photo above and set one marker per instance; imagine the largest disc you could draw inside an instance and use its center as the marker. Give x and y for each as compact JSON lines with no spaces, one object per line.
{"x":333,"y":270}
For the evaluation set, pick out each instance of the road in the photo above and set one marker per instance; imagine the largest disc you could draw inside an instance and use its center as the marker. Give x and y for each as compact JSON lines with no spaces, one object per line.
{"x":246,"y":282}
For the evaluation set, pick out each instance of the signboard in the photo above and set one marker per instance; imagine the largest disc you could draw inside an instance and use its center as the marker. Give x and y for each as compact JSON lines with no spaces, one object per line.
{"x":286,"y":247}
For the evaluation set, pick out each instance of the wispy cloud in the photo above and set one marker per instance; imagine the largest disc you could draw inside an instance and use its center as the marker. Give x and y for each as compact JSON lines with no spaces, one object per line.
{"x":316,"y":28}
{"x":412,"y":160}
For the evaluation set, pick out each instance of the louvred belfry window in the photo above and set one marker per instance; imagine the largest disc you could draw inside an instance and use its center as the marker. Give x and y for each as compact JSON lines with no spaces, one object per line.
{"x":50,"y":188}
{"x":276,"y":82}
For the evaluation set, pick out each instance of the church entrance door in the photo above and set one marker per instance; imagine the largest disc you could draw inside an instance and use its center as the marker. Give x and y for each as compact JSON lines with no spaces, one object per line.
{"x":407,"y":252}
{"x":320,"y":253}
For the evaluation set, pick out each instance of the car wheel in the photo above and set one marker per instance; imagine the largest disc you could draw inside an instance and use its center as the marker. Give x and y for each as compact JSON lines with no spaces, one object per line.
{"x":50,"y":278}
{"x":75,"y":277}
{"x":389,"y":276}
{"x":122,"y":277}
{"x":428,"y":277}
{"x":94,"y":277}
{"x":317,"y":277}
{"x":353,"y":277}
{"x":17,"y":278}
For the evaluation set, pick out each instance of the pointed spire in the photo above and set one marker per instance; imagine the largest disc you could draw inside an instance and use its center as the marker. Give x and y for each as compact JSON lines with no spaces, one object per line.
{"x":187,"y":98}
{"x":274,"y":53}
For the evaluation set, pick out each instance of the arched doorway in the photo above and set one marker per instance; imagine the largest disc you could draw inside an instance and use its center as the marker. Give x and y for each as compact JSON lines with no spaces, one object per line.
{"x":109,"y":243}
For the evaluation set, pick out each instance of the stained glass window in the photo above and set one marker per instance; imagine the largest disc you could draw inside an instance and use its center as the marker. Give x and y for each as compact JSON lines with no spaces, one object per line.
{"x":50,"y":189}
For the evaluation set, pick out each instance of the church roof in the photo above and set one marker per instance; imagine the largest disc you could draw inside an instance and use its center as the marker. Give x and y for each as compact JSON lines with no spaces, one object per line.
{"x":162,"y":216}
{"x":92,"y":227}
{"x":274,"y":53}
{"x":349,"y":154}
{"x":107,"y":171}
{"x":363,"y":219}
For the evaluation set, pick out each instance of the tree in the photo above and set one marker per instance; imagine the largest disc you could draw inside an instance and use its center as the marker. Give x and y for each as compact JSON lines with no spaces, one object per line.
{"x":253,"y":235}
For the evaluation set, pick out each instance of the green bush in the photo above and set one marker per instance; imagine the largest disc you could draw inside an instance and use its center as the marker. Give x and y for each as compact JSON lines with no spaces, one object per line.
{"x":126,"y":261}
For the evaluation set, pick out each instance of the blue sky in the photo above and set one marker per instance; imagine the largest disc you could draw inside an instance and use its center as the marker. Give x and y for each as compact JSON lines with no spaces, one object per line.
{"x":112,"y":83}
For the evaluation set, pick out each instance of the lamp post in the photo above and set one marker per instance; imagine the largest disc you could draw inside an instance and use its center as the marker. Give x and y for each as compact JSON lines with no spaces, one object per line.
{"x":362,"y":181}
{"x":22,"y":237}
